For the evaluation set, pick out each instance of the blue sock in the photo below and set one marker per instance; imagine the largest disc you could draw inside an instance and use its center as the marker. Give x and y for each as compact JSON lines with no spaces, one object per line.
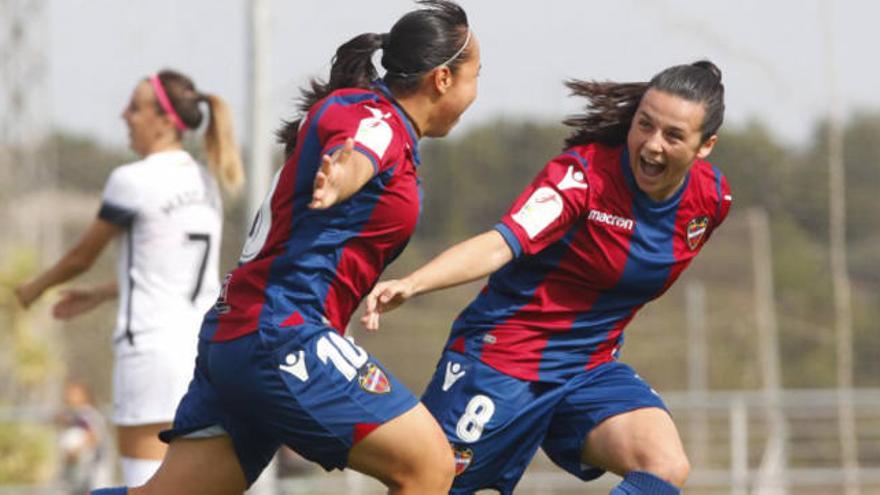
{"x":119,"y":490}
{"x":644,"y":483}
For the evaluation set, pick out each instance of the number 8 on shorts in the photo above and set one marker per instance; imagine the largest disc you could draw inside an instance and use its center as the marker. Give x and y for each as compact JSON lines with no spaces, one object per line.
{"x":477,"y":413}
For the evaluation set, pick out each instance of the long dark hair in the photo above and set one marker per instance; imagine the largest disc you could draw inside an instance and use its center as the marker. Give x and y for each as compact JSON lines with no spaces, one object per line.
{"x":419,"y":42}
{"x":224,"y":160}
{"x":611,"y":106}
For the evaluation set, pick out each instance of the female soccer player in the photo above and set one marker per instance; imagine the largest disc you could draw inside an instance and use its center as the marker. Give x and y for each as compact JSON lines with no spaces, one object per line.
{"x":273,"y":366}
{"x":605,"y":227}
{"x":166,"y":210}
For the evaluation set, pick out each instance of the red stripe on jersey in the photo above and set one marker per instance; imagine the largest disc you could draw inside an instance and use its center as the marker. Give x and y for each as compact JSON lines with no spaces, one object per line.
{"x":604,"y":352}
{"x":247,"y":286}
{"x":514,"y":351}
{"x":695,"y":201}
{"x":293,"y":320}
{"x":602,"y":265}
{"x":364,"y":257}
{"x":457,"y":345}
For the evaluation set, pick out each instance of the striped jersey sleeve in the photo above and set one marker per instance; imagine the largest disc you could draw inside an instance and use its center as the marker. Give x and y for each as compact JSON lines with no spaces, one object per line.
{"x":547,"y":208}
{"x":367,"y":123}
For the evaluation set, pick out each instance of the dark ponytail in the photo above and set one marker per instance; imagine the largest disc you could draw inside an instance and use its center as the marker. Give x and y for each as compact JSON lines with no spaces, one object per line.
{"x":420,"y":41}
{"x":611,"y":106}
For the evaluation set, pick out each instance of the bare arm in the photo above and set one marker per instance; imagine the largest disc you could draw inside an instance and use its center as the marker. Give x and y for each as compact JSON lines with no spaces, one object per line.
{"x":467,"y":261}
{"x":341,"y":175}
{"x":76,"y":261}
{"x":75,"y":302}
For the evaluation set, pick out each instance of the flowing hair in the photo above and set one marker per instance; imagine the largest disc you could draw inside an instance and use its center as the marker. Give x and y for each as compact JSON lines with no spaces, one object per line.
{"x":611,"y":106}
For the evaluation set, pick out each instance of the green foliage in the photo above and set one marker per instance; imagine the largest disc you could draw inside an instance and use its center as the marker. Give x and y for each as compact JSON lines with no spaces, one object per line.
{"x":755,"y":166}
{"x":29,"y":355}
{"x":83,"y":164}
{"x":25,"y":453}
{"x":469,"y":182}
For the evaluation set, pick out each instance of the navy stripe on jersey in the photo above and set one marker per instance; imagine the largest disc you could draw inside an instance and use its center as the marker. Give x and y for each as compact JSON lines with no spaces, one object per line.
{"x":718,"y":178}
{"x":328,"y":229}
{"x":510,"y":238}
{"x":128,"y":335}
{"x":511,"y":288}
{"x":579,"y":158}
{"x":359,"y":148}
{"x":117,"y":215}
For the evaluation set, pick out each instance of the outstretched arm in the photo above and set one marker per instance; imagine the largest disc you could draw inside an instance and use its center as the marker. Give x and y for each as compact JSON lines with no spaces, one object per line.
{"x":79,"y":259}
{"x":341,"y":175}
{"x":466,"y":261}
{"x":75,"y":302}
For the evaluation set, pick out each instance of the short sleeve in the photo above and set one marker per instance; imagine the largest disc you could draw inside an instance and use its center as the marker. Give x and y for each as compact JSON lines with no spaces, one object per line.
{"x":548,"y":207}
{"x":119,"y":201}
{"x":367,"y":123}
{"x":725,"y":198}
{"x":723,"y":201}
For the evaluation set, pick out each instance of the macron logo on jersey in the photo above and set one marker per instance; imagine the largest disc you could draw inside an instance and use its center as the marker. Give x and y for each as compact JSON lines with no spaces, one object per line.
{"x":374,"y":132}
{"x":295,"y":364}
{"x":572,"y":180}
{"x":453,"y":373}
{"x":626,"y":224}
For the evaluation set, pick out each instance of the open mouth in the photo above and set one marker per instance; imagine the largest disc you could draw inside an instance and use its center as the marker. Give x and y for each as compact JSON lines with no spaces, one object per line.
{"x":651,"y":169}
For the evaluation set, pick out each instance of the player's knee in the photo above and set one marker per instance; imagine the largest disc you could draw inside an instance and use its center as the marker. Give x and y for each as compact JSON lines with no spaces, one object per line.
{"x":432,"y":472}
{"x":443,"y":467}
{"x":438,"y":468}
{"x":673,"y":468}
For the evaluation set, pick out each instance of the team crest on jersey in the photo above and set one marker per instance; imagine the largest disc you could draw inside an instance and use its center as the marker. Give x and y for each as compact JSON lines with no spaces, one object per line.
{"x":696,"y":230}
{"x":373,"y":379}
{"x":463,"y":457}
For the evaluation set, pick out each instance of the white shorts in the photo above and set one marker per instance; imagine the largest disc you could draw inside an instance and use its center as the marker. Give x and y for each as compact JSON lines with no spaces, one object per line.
{"x":150,"y":379}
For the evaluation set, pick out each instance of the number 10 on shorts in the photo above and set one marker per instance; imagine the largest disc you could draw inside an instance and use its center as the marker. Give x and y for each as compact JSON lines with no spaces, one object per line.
{"x":346,"y":356}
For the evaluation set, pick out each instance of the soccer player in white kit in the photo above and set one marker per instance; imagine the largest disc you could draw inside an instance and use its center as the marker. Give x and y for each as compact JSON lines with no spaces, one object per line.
{"x":166,"y":212}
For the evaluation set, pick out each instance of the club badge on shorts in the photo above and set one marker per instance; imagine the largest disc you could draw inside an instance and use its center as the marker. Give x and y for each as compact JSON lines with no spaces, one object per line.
{"x":373,"y":379}
{"x":696,"y":230}
{"x":463,"y":457}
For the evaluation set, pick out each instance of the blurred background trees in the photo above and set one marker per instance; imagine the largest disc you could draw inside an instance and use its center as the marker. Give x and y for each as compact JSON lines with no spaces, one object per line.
{"x":469,"y":181}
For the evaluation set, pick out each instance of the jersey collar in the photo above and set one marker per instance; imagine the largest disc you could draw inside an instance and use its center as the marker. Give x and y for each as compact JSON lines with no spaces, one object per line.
{"x":401,"y":114}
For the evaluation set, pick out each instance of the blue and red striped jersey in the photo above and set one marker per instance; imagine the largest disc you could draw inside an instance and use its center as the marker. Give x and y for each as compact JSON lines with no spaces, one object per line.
{"x":301,"y":265}
{"x":590,"y":249}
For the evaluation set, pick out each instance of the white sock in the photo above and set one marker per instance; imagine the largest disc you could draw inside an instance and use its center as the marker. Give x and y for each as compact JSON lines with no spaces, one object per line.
{"x":136,"y":472}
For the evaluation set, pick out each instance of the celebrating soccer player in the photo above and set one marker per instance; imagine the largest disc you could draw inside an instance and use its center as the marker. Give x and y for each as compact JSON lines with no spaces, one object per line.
{"x":604,"y":228}
{"x":273,"y":366}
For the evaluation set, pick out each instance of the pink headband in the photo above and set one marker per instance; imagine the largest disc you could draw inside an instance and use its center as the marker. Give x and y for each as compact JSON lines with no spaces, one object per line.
{"x":165,"y":103}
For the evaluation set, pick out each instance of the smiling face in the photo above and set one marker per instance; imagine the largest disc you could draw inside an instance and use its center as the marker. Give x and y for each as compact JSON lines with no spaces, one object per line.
{"x":664,"y":139}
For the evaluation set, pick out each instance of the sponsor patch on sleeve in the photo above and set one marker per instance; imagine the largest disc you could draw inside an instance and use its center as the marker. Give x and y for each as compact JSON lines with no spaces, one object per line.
{"x":542,"y":208}
{"x":374,"y":132}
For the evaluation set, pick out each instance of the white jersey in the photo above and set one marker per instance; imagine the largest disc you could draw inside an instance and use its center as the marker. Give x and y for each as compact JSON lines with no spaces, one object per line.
{"x":168,"y":262}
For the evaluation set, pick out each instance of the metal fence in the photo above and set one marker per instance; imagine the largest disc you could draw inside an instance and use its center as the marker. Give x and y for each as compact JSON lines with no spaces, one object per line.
{"x":728,"y":435}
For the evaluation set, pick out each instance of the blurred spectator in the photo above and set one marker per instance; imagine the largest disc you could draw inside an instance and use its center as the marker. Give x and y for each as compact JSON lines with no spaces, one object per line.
{"x":81,"y":439}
